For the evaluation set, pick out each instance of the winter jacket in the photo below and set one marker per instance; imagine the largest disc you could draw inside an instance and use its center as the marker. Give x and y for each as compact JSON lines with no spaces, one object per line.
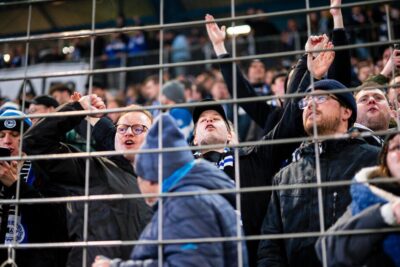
{"x":296,"y":210}
{"x":193,"y":217}
{"x":35,"y":223}
{"x":365,"y":212}
{"x":107,"y":220}
{"x":259,"y":164}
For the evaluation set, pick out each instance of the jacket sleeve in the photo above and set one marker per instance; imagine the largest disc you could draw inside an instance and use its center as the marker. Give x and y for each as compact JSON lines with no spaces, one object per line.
{"x":353,"y":250}
{"x":298,"y":73}
{"x":103,"y":134}
{"x":271,"y":252}
{"x":46,"y":138}
{"x":259,"y":111}
{"x":340,"y":69}
{"x":47,"y":134}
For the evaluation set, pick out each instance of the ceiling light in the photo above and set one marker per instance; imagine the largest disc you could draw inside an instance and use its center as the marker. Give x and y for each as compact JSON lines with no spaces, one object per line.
{"x":239,"y":30}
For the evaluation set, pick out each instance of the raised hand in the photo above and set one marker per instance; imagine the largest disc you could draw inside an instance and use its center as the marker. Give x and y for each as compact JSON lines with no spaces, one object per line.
{"x":392,"y":64}
{"x":217,"y":35}
{"x":8,"y":173}
{"x":75,"y":97}
{"x":337,"y":14}
{"x":315,"y":43}
{"x":319,"y":65}
{"x":92,"y":102}
{"x":335,"y":11}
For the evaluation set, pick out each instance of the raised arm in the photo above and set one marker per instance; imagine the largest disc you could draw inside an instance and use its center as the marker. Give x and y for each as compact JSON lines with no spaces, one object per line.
{"x":341,"y":67}
{"x":46,"y":138}
{"x":258,"y":111}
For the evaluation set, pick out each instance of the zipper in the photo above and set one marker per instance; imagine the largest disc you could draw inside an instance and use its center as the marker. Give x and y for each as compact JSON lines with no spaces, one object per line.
{"x":334,"y":205}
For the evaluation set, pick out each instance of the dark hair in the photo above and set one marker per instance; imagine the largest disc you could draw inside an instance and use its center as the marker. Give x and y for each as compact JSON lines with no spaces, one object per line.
{"x":278,"y":75}
{"x":384,"y":169}
{"x":153,"y":78}
{"x":60,"y":88}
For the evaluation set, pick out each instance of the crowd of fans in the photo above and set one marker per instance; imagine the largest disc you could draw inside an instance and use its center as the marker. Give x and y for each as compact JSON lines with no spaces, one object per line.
{"x":344,"y":131}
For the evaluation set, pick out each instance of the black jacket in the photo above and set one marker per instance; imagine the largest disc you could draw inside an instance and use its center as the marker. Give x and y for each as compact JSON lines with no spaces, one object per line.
{"x":259,"y":164}
{"x":296,"y":210}
{"x":108,"y":220}
{"x":36,"y":224}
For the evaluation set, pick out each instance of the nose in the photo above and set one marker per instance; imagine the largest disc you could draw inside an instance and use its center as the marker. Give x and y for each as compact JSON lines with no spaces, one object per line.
{"x":310,"y":103}
{"x":7,"y":139}
{"x":371,"y":99}
{"x":129,"y":131}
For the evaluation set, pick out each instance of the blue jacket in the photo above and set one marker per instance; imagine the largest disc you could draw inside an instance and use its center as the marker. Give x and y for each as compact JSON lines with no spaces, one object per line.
{"x":201,"y":216}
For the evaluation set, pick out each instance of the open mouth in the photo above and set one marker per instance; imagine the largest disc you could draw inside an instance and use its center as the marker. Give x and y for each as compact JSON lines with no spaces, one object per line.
{"x":129,"y":142}
{"x":210,"y":127}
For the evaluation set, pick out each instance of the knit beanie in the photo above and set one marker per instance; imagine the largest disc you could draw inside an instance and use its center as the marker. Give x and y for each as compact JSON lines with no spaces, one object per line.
{"x":175,"y":91}
{"x":146,"y":164}
{"x":14,"y":124}
{"x":346,"y":98}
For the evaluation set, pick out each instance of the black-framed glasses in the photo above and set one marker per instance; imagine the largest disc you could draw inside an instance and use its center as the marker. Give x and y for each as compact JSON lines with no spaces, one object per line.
{"x":136,"y":129}
{"x":319,"y":99}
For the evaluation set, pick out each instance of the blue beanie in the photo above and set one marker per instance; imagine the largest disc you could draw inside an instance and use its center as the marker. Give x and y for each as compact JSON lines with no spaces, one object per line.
{"x":14,"y":124}
{"x":146,"y":165}
{"x":346,"y":98}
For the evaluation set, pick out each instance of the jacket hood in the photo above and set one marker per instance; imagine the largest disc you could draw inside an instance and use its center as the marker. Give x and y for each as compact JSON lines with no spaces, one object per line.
{"x":206,"y":175}
{"x":366,"y":178}
{"x":365,"y":174}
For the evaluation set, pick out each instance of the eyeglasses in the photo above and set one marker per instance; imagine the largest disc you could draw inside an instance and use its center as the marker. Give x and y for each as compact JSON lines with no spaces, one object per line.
{"x":136,"y":129}
{"x":318,"y":99}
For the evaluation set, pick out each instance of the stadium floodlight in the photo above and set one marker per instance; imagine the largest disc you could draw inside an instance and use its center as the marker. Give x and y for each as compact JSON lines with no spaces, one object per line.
{"x":239,"y":30}
{"x":6,"y":58}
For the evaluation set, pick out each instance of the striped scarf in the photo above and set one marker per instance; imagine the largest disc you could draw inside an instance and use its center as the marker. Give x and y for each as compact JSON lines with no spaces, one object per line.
{"x":7,"y":211}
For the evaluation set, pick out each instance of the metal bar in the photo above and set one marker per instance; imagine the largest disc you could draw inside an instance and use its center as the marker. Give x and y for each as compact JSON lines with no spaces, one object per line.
{"x":86,"y":33}
{"x":174,"y":149}
{"x":236,"y":151}
{"x":204,"y":240}
{"x":160,"y":208}
{"x":111,"y":197}
{"x":190,"y":63}
{"x":18,"y":185}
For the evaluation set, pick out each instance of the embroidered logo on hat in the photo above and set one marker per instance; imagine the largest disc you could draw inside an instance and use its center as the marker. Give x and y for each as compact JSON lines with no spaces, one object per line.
{"x":10,"y":124}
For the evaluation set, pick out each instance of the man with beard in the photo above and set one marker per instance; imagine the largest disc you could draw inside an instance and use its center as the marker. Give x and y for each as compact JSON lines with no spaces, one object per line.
{"x":296,"y":210}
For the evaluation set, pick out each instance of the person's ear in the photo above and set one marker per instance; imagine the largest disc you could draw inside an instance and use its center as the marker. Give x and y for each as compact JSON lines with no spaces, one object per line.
{"x":194,"y":141}
{"x":346,"y":113}
{"x":229,"y":138}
